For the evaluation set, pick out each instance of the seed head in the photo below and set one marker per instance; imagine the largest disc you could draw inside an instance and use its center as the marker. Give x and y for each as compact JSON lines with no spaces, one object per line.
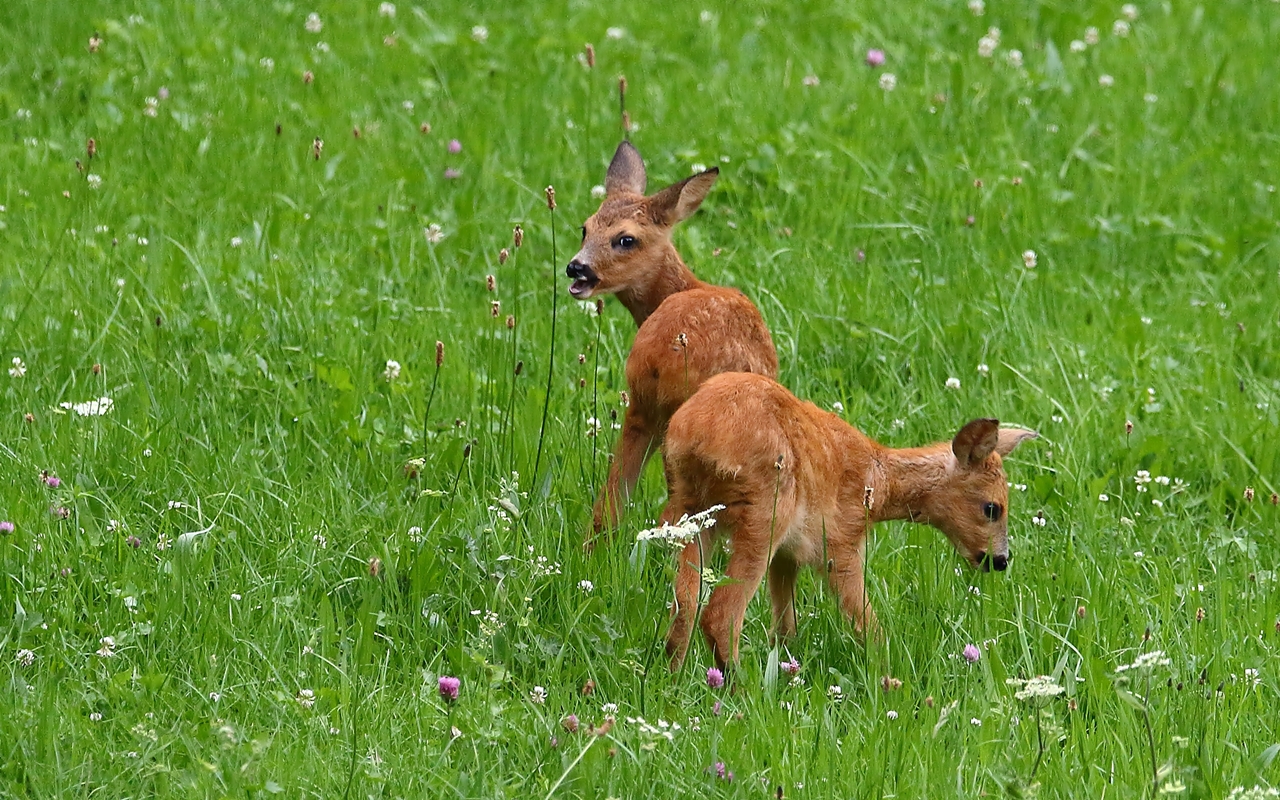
{"x":622,"y":88}
{"x":781,"y":460}
{"x":503,"y":255}
{"x":519,"y":368}
{"x":599,"y":306}
{"x":624,"y":399}
{"x":626,"y":121}
{"x":591,"y":56}
{"x":1200,"y":614}
{"x":582,"y":358}
{"x":588,"y":688}
{"x":495,"y":309}
{"x":1275,"y":498}
{"x":29,"y":417}
{"x":1128,"y":427}
{"x":551,"y":197}
{"x":424,"y":128}
{"x":355,"y":132}
{"x":91,"y":147}
{"x":868,"y":497}
{"x":95,"y":41}
{"x":1081,"y":612}
{"x":375,"y":567}
{"x":316,"y":147}
{"x":97,"y":369}
{"x":570,"y":723}
{"x":517,"y":236}
{"x":1248,"y":494}
{"x":308,"y":77}
{"x":490,"y":283}
{"x":511,"y":322}
{"x":439,"y":354}
{"x":682,"y":341}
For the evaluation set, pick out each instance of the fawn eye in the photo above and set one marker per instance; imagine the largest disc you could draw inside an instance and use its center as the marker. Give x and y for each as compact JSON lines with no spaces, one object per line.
{"x":992,"y":511}
{"x":625,"y":242}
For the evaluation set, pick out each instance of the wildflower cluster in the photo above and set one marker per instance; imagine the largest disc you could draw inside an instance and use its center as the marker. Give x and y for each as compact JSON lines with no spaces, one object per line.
{"x":1146,"y":663}
{"x":1041,"y":687}
{"x":684,"y":530}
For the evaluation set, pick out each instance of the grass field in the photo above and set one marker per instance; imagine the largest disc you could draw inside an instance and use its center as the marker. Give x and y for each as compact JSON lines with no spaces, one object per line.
{"x":242,"y":583}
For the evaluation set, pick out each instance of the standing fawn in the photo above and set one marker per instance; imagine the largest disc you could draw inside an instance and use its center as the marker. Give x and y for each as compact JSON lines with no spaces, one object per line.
{"x":798,"y":486}
{"x":688,"y":330}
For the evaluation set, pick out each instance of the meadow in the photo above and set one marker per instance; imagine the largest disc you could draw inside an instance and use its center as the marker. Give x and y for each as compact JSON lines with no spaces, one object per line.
{"x":273,"y":454}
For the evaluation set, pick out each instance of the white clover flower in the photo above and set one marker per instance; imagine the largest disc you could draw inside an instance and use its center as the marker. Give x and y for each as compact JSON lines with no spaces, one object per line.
{"x":586,"y":586}
{"x":891,"y":714}
{"x":1256,"y":793}
{"x":1039,"y":687}
{"x":1147,"y":662}
{"x":987,"y":46}
{"x":392,"y":372}
{"x":1120,"y":28}
{"x":1077,"y":46}
{"x":480,"y":33}
{"x":538,"y":695}
{"x":835,"y":692}
{"x":888,"y":81}
{"x":94,"y":181}
{"x":1091,"y":35}
{"x":107,"y":647}
{"x":977,"y":7}
{"x":598,"y":192}
{"x":685,"y":529}
{"x":615,"y":33}
{"x":26,"y":657}
{"x":1104,"y":497}
{"x":706,"y":17}
{"x":90,"y":408}
{"x":1029,"y":258}
{"x":387,"y":10}
{"x":18,"y":369}
{"x":609,"y":709}
{"x":810,"y":80}
{"x":313,"y":23}
{"x":433,"y":233}
{"x":1015,"y":58}
{"x":306,"y":698}
{"x":975,"y":722}
{"x":1106,"y":81}
{"x":267,"y":63}
{"x":1129,"y":11}
{"x":953,"y":383}
{"x":152,"y":106}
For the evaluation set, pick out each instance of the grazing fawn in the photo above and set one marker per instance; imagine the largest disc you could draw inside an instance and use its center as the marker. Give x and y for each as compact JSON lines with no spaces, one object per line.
{"x":798,"y":486}
{"x":688,"y":330}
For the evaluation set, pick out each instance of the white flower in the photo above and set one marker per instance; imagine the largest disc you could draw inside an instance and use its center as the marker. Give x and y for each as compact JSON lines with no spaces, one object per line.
{"x":987,"y":46}
{"x":597,"y":192}
{"x":1120,"y":28}
{"x":1147,"y":662}
{"x":1151,"y":98}
{"x":387,"y":10}
{"x":392,"y":371}
{"x":306,"y":698}
{"x":1041,"y":686}
{"x":313,"y":24}
{"x":810,"y":80}
{"x":1157,"y":503}
{"x":609,"y":709}
{"x":480,"y":33}
{"x":615,"y":33}
{"x":837,"y":407}
{"x":1091,"y":35}
{"x":26,"y":657}
{"x":214,"y":696}
{"x":1039,"y":519}
{"x":1077,"y":46}
{"x":433,"y":233}
{"x":18,"y":369}
{"x":1029,"y":258}
{"x":888,"y":81}
{"x":95,"y":717}
{"x":93,"y":180}
{"x":24,"y":113}
{"x":891,"y":714}
{"x":835,"y":693}
{"x":1138,"y":554}
{"x":586,"y":586}
{"x":323,"y":47}
{"x":108,"y":647}
{"x":1163,"y":480}
{"x":706,"y":17}
{"x":1104,"y":497}
{"x":685,"y":529}
{"x":1130,"y":11}
{"x":142,"y":241}
{"x":267,"y":63}
{"x":90,"y":408}
{"x":538,"y":695}
{"x":407,"y":105}
{"x":953,"y":383}
{"x":977,"y":7}
{"x":1256,"y":793}
{"x":1015,"y":58}
{"x":1106,"y":81}
{"x":975,"y":722}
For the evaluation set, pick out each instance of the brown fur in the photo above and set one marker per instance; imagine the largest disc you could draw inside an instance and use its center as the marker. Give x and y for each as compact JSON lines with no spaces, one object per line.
{"x":723,"y":331}
{"x":794,"y":482}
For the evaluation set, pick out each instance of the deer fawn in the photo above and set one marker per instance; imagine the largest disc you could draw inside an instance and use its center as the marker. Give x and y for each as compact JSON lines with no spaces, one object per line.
{"x":688,"y":330}
{"x":798,"y":486}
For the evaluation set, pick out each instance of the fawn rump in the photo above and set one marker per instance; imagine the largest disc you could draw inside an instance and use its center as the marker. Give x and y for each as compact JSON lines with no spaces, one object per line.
{"x":688,"y":330}
{"x":800,"y":486}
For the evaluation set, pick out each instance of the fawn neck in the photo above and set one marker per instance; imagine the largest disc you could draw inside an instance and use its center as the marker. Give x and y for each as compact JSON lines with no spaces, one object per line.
{"x":903,"y":478}
{"x":670,"y":276}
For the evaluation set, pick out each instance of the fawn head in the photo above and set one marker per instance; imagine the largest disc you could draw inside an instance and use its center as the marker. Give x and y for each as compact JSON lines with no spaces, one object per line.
{"x":628,"y":240}
{"x":971,"y":504}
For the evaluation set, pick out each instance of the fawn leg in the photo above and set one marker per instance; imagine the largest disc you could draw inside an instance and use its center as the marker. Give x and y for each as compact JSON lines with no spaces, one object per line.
{"x":685,"y":607}
{"x":638,"y":441}
{"x":782,"y":593}
{"x":848,"y":581}
{"x":722,"y":618}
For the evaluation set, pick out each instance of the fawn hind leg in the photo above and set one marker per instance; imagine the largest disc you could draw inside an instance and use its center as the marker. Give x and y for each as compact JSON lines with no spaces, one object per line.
{"x":782,"y":594}
{"x":722,"y":619}
{"x":640,"y":437}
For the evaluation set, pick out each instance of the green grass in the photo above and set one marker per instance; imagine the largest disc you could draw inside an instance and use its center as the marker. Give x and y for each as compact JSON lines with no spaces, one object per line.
{"x":247,"y":385}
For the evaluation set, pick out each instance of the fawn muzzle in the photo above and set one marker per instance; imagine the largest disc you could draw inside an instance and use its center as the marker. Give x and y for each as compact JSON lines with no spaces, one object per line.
{"x":989,"y":562}
{"x":584,"y":279}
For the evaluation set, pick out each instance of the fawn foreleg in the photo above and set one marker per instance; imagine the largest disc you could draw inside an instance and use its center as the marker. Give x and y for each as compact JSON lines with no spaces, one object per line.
{"x":846,"y":574}
{"x":639,"y":439}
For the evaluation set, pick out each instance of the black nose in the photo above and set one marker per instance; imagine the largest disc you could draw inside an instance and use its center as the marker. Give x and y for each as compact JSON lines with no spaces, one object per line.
{"x":578,"y":270}
{"x":1001,"y":563}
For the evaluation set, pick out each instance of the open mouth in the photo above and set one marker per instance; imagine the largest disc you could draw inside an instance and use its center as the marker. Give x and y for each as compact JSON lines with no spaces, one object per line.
{"x":581,"y":287}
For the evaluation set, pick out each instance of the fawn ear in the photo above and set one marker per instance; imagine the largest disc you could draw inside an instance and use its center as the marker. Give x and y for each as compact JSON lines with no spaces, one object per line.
{"x":976,"y":441}
{"x":679,"y":200}
{"x":626,"y":172}
{"x":1010,"y":438}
